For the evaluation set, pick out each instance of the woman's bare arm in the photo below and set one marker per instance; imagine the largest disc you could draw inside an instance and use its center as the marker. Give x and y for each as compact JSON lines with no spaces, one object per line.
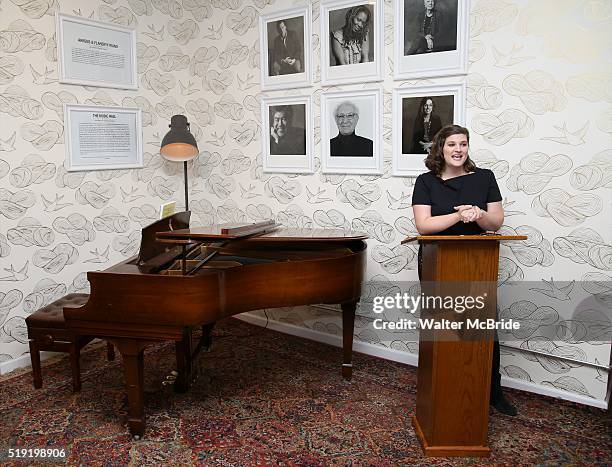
{"x":493,"y":217}
{"x":427,"y":224}
{"x":337,"y":51}
{"x":365,"y":50}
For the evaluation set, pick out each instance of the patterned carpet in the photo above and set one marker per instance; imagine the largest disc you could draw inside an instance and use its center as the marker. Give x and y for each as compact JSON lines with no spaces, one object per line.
{"x":269,"y":398}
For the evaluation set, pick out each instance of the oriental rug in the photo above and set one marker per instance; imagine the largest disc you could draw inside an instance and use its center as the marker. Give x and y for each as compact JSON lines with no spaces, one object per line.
{"x":266,"y":398}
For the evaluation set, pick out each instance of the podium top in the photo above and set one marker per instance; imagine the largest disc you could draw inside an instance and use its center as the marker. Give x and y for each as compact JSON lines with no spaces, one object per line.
{"x":483,"y":237}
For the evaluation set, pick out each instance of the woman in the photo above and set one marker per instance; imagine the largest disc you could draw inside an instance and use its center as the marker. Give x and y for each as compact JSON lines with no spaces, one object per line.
{"x":350,"y":43}
{"x":426,"y":125}
{"x":456,"y":198}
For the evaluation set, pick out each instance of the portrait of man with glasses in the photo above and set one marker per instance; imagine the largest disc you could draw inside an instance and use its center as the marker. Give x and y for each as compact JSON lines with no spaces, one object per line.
{"x":346,"y":142}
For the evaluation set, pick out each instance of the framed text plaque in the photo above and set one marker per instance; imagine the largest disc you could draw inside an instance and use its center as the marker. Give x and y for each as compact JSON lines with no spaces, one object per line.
{"x":92,"y":53}
{"x":102,"y":138}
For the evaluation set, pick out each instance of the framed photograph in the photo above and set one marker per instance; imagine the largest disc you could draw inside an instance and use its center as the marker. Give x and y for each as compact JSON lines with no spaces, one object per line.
{"x":284,"y":38}
{"x":431,"y":38}
{"x":102,"y":138}
{"x":351,"y":132}
{"x":421,"y":112}
{"x":352,"y":36}
{"x":287,"y":134}
{"x":92,"y":53}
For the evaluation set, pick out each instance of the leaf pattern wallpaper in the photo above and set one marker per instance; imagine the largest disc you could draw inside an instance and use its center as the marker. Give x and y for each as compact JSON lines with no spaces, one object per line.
{"x":539,"y":111}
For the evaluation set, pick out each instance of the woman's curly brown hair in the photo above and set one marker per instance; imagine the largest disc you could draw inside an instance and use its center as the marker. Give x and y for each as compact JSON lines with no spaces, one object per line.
{"x":435,"y":158}
{"x":348,"y":34}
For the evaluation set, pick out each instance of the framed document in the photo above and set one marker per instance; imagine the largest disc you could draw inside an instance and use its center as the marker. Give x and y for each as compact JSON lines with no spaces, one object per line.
{"x":102,"y":138}
{"x":92,"y":53}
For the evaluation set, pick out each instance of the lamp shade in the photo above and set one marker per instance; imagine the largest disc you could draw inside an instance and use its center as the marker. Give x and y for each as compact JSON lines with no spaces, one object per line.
{"x":179,"y":144}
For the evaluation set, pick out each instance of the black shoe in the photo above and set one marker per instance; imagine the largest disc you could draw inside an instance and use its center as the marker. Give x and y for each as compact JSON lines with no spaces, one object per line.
{"x":503,"y":405}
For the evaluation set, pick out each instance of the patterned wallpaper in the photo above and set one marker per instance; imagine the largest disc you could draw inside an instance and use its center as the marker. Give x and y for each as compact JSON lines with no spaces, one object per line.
{"x":538,"y":107}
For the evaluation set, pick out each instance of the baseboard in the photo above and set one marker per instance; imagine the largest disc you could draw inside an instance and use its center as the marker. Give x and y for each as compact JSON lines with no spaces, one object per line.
{"x":532,"y":387}
{"x":22,"y":362}
{"x":336,"y":341}
{"x":413,"y":360}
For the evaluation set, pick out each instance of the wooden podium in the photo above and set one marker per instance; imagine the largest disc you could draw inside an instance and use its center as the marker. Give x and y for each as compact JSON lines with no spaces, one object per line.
{"x":454,"y":373}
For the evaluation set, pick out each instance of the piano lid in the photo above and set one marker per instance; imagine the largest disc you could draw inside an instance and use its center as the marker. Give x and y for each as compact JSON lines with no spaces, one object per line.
{"x":287,"y":234}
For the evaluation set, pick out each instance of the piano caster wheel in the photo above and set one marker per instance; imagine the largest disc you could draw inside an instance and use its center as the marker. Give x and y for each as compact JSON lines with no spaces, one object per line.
{"x":136,"y":437}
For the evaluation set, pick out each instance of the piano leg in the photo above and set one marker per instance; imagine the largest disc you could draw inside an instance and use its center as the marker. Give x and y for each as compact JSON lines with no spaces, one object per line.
{"x":206,"y":339}
{"x":348,"y":327}
{"x":184,"y":357}
{"x":133,"y":368}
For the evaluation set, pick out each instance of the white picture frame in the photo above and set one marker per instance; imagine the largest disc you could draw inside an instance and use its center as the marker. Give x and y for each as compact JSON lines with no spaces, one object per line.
{"x":367,"y":103}
{"x":280,"y":72}
{"x":449,"y":55}
{"x":93,"y":53}
{"x":299,"y":157}
{"x":102,"y":138}
{"x":406,"y":104}
{"x":333,"y":17}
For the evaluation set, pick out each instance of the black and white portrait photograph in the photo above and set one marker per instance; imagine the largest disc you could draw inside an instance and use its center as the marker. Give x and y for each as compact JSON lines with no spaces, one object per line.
{"x":422,"y":118}
{"x":430,"y":38}
{"x":423,"y":111}
{"x":351,"y":41}
{"x":287,"y":134}
{"x":351,"y":33}
{"x":287,"y":129}
{"x":429,"y":26}
{"x":351,"y":132}
{"x":285,"y":48}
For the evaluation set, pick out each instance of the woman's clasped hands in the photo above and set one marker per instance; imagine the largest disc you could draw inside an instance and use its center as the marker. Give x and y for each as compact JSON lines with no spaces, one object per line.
{"x":469,"y":213}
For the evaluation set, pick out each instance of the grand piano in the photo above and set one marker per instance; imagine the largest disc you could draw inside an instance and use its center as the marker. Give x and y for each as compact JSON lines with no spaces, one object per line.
{"x":185,"y":279}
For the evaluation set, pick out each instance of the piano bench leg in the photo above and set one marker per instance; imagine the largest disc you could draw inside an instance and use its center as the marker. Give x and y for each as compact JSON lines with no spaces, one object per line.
{"x":76,"y":368}
{"x":36,"y":369}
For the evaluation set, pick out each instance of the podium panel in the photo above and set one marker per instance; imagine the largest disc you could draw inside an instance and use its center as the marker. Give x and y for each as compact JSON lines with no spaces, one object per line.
{"x":454,"y":373}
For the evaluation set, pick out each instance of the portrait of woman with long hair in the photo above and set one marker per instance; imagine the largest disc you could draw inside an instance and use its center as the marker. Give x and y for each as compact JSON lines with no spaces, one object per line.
{"x":350,"y":43}
{"x":422,"y":118}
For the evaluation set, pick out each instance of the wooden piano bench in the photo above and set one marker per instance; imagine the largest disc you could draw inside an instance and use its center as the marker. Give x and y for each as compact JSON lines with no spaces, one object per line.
{"x":47,"y":331}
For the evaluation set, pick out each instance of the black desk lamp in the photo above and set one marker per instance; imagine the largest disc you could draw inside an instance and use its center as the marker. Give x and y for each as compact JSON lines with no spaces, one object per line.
{"x":179,"y":145}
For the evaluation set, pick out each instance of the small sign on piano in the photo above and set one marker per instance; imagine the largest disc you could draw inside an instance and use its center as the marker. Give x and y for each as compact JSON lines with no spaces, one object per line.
{"x":167,"y":209}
